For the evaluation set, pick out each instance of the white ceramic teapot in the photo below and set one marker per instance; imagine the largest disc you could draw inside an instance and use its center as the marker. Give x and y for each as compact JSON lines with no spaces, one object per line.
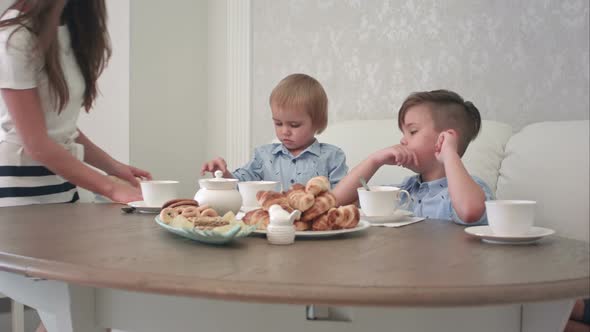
{"x":280,"y":229}
{"x":220,"y":194}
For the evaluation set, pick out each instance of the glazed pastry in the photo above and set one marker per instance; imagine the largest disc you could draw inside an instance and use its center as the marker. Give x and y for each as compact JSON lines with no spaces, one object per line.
{"x":208,"y":212}
{"x":268,"y":198}
{"x":180,"y":201}
{"x":258,"y":217}
{"x":299,"y":199}
{"x":203,"y":222}
{"x":323,"y":202}
{"x":167,"y":215}
{"x":317,"y":185}
{"x":188,"y":211}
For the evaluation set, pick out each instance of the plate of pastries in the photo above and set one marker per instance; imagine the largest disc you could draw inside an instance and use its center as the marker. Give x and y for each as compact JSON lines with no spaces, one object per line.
{"x":320,"y":215}
{"x":186,"y":218}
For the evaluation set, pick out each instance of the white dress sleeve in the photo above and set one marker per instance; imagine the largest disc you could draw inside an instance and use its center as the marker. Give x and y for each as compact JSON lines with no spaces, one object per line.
{"x":19,"y":67}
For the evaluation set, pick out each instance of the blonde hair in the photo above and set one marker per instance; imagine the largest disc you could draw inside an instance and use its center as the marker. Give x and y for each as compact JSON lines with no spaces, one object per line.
{"x":448,"y":111}
{"x":302,"y":92}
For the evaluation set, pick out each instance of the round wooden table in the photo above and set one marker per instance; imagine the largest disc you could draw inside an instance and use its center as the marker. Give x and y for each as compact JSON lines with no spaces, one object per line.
{"x":431,"y":264}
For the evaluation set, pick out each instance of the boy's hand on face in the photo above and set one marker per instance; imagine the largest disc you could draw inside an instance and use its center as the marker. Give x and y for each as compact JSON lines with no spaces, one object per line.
{"x":446,"y":145}
{"x":214,"y":165}
{"x":398,"y":155}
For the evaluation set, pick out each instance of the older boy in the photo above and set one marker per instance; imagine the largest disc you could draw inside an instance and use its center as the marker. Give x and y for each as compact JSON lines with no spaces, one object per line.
{"x":437,"y":127}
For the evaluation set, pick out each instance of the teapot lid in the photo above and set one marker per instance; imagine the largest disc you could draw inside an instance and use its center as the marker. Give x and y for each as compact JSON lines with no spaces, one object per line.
{"x":218,"y":182}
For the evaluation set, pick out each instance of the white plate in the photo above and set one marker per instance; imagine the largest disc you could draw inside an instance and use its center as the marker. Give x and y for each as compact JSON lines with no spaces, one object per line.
{"x":485,"y":233}
{"x":359,"y":227}
{"x":399,"y":215}
{"x":141,"y":207}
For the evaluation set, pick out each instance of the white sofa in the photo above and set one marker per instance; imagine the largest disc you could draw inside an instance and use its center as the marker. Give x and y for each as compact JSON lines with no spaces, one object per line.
{"x":545,"y":161}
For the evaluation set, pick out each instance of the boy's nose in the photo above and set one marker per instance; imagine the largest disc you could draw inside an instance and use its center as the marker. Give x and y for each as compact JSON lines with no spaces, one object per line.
{"x":403,"y":141}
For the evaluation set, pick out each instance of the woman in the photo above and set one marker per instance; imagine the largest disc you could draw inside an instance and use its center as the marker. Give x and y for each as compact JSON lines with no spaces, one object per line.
{"x":51,"y":55}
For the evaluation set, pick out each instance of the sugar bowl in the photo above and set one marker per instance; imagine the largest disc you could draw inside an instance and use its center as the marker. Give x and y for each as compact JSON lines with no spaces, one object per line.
{"x":220,"y":194}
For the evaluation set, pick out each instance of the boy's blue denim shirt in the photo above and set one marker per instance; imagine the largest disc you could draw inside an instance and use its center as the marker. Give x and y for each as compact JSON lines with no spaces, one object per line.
{"x":432,"y":200}
{"x":274,"y":162}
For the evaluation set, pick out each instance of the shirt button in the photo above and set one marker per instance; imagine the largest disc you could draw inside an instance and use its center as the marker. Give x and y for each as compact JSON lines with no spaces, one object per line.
{"x":420,"y":201}
{"x":292,"y":181}
{"x":294,"y":161}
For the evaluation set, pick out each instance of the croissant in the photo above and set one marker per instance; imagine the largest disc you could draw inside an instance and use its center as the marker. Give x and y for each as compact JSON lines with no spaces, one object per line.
{"x":349,"y":217}
{"x":325,"y":221}
{"x":268,"y":198}
{"x":258,"y":217}
{"x":317,"y":185}
{"x":299,"y":199}
{"x":323,"y":202}
{"x":302,"y":225}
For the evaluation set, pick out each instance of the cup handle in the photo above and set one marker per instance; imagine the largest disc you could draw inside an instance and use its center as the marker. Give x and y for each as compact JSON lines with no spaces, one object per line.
{"x":407,"y":202}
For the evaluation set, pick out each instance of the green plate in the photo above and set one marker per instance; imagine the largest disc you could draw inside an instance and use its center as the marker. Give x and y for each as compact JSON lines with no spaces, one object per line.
{"x":209,"y":236}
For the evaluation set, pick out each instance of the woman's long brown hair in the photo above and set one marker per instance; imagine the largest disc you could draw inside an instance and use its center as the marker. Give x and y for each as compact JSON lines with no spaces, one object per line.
{"x":87,"y":23}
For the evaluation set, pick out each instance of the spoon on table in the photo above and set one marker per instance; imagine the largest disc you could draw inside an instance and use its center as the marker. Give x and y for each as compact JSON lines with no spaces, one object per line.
{"x":128,"y":209}
{"x":364,"y":183}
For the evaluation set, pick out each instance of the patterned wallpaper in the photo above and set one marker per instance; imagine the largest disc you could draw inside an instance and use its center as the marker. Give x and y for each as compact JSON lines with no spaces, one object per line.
{"x":519,"y":61}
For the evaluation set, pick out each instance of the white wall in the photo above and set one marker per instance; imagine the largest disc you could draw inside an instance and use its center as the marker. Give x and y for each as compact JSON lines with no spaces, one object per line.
{"x":108,"y":123}
{"x":168,"y":89}
{"x":217,"y":77}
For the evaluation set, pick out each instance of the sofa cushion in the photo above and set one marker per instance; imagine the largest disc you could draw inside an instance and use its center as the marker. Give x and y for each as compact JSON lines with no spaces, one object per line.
{"x":359,"y":138}
{"x":548,"y":162}
{"x":484,"y":155}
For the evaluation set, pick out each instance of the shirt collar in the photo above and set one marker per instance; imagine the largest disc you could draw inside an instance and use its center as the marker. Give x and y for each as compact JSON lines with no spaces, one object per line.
{"x":314,"y":148}
{"x":441,"y":183}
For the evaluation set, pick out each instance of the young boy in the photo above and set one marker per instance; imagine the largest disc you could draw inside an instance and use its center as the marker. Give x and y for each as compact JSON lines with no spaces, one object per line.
{"x":437,"y":127}
{"x":299,"y":107}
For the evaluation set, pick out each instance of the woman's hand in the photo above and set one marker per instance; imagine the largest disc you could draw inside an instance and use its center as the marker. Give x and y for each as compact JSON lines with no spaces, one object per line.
{"x":130,"y":173}
{"x":124,"y":193}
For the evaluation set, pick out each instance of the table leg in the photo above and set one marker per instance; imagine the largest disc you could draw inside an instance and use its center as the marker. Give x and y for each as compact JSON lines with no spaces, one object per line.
{"x":546,"y":316}
{"x":62,"y":307}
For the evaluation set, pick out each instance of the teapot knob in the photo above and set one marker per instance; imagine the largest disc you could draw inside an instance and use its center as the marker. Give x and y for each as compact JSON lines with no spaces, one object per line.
{"x":218,"y":174}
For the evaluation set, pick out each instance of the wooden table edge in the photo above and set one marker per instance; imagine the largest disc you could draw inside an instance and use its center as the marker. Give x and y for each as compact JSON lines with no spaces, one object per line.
{"x":292,"y":293}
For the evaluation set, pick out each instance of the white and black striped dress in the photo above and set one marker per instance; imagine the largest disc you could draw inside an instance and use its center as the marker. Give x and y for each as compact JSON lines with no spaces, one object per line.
{"x":23,"y":180}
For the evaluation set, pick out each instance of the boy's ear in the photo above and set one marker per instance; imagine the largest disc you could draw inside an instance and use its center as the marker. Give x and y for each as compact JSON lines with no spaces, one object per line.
{"x":453,"y":132}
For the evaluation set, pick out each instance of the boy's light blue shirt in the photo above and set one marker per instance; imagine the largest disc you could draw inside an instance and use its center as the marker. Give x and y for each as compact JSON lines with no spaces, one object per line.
{"x":274,"y":162}
{"x":432,"y":200}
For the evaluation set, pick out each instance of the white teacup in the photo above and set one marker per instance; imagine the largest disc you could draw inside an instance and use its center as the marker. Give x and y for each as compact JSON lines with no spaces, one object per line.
{"x":510,"y":217}
{"x":157,"y":192}
{"x":248,"y":190}
{"x":382,"y":201}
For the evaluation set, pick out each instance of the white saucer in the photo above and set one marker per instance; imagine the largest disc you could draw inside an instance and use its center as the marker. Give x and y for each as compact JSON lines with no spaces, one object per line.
{"x":485,"y":234}
{"x":141,"y":207}
{"x":399,"y":215}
